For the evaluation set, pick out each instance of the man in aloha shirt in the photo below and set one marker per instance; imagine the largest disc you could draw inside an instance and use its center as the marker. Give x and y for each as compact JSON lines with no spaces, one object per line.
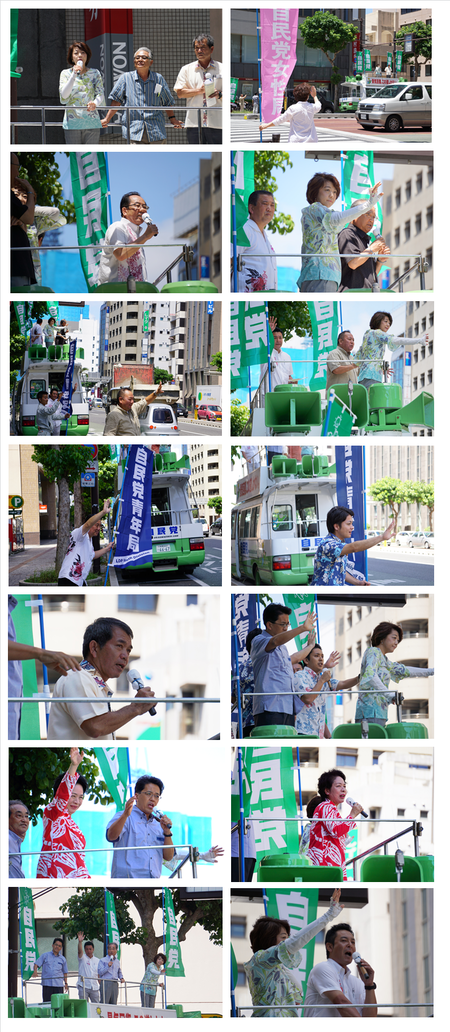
{"x":331,"y":558}
{"x":315,"y":677}
{"x":122,"y":254}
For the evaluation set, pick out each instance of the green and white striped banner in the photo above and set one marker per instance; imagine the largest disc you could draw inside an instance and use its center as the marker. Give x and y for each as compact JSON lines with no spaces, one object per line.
{"x":301,"y":605}
{"x":358,"y":179}
{"x":299,"y":907}
{"x":113,"y":928}
{"x":28,"y":943}
{"x":174,"y":964}
{"x":23,"y":316}
{"x":324,"y":330}
{"x":272,"y":795}
{"x":90,"y":190}
{"x":248,"y":339}
{"x":244,"y":171}
{"x":113,"y":763}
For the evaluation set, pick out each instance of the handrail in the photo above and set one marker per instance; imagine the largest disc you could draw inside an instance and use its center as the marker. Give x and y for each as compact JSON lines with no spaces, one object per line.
{"x":420,"y":263}
{"x":322,"y":1006}
{"x":42,"y":697}
{"x":127,"y":109}
{"x":416,"y":827}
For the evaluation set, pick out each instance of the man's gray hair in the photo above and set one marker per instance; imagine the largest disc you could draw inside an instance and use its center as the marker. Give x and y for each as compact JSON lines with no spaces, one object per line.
{"x":148,"y":51}
{"x":360,"y":199}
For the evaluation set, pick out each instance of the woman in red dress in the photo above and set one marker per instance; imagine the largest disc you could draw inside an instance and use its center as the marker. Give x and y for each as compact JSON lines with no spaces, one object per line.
{"x":327,"y":836}
{"x":60,"y":830}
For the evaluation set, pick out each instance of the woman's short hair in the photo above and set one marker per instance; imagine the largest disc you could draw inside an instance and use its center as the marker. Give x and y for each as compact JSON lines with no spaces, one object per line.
{"x":81,"y":46}
{"x":265,"y":931}
{"x":252,"y":634}
{"x":312,"y":805}
{"x":382,"y":630}
{"x":301,"y":93}
{"x":80,"y":781}
{"x":163,"y":955}
{"x":316,"y":183}
{"x":326,"y":780}
{"x":377,"y":318}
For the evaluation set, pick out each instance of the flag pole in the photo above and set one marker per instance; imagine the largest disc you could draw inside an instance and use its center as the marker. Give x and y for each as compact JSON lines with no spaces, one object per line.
{"x":44,"y":668}
{"x":236,"y":655}
{"x":129,"y":772}
{"x":163,"y":893}
{"x":300,"y":802}
{"x":342,"y":180}
{"x":233,"y":219}
{"x":233,"y":999}
{"x":258,"y":42}
{"x":105,"y":904}
{"x":118,"y":510}
{"x":268,"y":347}
{"x":241,"y":817}
{"x":366,"y":559}
{"x":109,"y":188}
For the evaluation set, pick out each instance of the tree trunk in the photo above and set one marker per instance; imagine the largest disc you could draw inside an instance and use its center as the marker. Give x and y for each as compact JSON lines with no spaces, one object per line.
{"x":430,"y":515}
{"x":63,"y":521}
{"x":146,"y":905}
{"x":77,"y":504}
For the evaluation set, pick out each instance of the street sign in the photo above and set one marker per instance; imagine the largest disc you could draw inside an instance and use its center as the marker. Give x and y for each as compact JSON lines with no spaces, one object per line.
{"x":15,"y":502}
{"x":93,"y":450}
{"x":88,"y":478}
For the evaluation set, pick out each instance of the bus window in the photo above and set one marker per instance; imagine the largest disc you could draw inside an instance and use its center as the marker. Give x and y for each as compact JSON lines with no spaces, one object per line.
{"x":282,"y":517}
{"x":254,"y":521}
{"x":161,"y":515}
{"x":244,"y":523}
{"x":35,"y":387}
{"x":306,"y":515}
{"x":233,"y":525}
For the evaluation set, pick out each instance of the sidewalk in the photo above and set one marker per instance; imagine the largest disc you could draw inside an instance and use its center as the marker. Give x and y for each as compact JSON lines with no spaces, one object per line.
{"x":34,"y":559}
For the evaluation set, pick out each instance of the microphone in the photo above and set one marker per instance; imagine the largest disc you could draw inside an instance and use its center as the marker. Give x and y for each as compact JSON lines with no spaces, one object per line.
{"x":136,"y":681}
{"x":146,"y":218}
{"x":363,"y":970}
{"x":351,"y":802}
{"x":157,"y":815}
{"x":79,"y":64}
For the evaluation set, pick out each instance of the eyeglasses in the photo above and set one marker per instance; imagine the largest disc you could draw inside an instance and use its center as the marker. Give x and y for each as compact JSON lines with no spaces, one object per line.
{"x":137,"y":207}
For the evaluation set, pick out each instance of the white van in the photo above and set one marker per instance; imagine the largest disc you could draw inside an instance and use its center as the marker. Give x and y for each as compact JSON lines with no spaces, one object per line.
{"x":397,"y":106}
{"x":40,"y":374}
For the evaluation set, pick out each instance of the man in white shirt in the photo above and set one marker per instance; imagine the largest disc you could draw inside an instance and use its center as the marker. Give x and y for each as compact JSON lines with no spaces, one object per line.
{"x":80,"y":554}
{"x":107,"y":644}
{"x":37,"y":333}
{"x":331,"y":981}
{"x":122,"y":253}
{"x":258,"y":271}
{"x":191,"y":85}
{"x":87,"y":984}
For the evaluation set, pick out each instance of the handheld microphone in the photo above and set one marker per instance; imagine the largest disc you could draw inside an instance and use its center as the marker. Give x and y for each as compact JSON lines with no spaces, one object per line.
{"x":363,"y":970}
{"x":136,"y":680}
{"x":351,"y":802}
{"x":79,"y":64}
{"x":146,"y":218}
{"x":157,"y":815}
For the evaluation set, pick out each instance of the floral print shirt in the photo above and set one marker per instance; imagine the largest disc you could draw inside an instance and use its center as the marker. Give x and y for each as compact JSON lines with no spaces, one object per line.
{"x":330,"y":567}
{"x":371,"y":352}
{"x":150,"y":980}
{"x":269,"y":984}
{"x":61,"y":832}
{"x":320,"y":228}
{"x":86,"y":87}
{"x":327,"y":837}
{"x":247,"y":682}
{"x":376,"y":672}
{"x":311,"y":719}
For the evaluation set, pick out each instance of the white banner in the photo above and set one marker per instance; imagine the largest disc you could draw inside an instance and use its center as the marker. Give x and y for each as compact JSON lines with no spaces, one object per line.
{"x":119,"y":1010}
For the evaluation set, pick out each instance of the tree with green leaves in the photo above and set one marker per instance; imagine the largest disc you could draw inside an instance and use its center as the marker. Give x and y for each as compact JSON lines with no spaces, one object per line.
{"x":216,"y":361}
{"x":391,"y":492}
{"x":239,"y":417}
{"x":292,"y":317}
{"x":42,"y":171}
{"x":17,"y":342}
{"x":161,"y":376}
{"x":63,"y":464}
{"x":324,"y":31}
{"x":32,"y":773}
{"x":422,"y":43}
{"x":265,"y":162}
{"x":107,"y":473}
{"x":419,"y":493}
{"x":85,"y":912}
{"x":216,"y":503}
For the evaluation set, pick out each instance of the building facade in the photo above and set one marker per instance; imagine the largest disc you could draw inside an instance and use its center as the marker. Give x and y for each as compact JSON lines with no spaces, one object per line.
{"x":206,"y":477}
{"x":408,"y":221}
{"x":402,"y":462}
{"x":414,"y":365}
{"x":196,"y":336}
{"x":210,"y":219}
{"x":136,"y":331}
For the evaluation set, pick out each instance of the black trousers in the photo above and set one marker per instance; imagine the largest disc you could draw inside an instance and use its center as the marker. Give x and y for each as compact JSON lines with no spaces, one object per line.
{"x":269,"y":717}
{"x":249,"y":863}
{"x":65,"y":582}
{"x":49,"y":990}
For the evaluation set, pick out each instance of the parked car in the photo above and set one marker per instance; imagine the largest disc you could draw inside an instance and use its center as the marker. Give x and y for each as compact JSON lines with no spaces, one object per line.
{"x":204,"y":525}
{"x":158,"y":419}
{"x":210,"y":412}
{"x":216,"y":527}
{"x":403,"y":537}
{"x":182,"y":410}
{"x":421,"y":539}
{"x":397,"y":106}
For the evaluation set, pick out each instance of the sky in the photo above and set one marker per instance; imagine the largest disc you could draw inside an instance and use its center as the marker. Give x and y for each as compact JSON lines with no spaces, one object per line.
{"x":141,"y":171}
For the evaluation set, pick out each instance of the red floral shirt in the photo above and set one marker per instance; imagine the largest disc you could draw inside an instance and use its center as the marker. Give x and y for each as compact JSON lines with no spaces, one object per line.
{"x":61,"y":833}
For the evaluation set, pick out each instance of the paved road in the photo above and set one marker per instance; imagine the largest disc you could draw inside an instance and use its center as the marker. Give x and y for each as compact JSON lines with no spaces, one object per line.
{"x":188,"y":428}
{"x":400,"y":567}
{"x":330,"y":128}
{"x":209,"y":574}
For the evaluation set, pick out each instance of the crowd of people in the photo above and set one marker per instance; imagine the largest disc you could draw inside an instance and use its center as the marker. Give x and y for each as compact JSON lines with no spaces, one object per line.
{"x":292,"y":689}
{"x":337,"y":252}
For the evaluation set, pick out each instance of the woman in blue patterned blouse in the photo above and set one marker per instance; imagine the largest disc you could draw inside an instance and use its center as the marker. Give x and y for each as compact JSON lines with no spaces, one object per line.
{"x":320,"y":227}
{"x":377,"y":671}
{"x":81,"y":91}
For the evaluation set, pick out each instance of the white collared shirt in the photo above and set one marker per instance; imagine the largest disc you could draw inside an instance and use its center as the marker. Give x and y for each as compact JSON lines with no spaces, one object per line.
{"x":191,"y":77}
{"x":329,"y":977}
{"x":66,"y":717}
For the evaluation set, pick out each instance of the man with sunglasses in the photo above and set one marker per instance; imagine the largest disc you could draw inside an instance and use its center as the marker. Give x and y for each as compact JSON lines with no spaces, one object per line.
{"x":143,"y":86}
{"x":192,"y":85}
{"x":123,"y":254}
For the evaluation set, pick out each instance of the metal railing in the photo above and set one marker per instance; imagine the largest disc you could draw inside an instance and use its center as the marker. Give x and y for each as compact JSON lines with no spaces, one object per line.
{"x":43,"y":124}
{"x":192,"y":856}
{"x":186,"y":256}
{"x":322,"y":1006}
{"x":43,"y":697}
{"x":125,"y":985}
{"x":420,"y":263}
{"x":398,"y":698}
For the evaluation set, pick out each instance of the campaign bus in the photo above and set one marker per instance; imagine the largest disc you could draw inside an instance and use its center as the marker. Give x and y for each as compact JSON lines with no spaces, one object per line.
{"x":45,"y":368}
{"x":279,"y":519}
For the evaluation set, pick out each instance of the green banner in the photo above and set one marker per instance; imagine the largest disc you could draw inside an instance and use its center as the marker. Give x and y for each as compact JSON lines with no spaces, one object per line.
{"x":21,"y":615}
{"x":351,"y":849}
{"x":301,"y":605}
{"x":234,"y":968}
{"x":389,"y":61}
{"x":299,"y":907}
{"x":113,"y":929}
{"x":367,"y":61}
{"x":145,"y":321}
{"x":324,"y":331}
{"x":243,"y":165}
{"x":28,"y":943}
{"x":53,"y":310}
{"x":113,"y":763}
{"x":233,"y":89}
{"x":90,"y":189}
{"x":359,"y":61}
{"x":23,"y":316}
{"x":273,"y":795}
{"x":246,"y":787}
{"x":13,"y":46}
{"x":398,"y":60}
{"x":248,"y":339}
{"x":358,"y":180}
{"x":340,"y":423}
{"x":174,"y":964}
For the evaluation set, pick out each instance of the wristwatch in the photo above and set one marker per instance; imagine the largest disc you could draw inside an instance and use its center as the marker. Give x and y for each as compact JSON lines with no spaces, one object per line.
{"x":373,"y":986}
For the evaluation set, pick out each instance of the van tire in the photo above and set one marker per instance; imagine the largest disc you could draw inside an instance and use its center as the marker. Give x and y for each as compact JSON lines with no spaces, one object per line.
{"x":393,"y":124}
{"x":255,"y":575}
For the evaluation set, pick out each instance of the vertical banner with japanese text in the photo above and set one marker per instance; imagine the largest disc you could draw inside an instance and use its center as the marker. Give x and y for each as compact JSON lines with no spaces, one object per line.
{"x":359,"y":178}
{"x":248,"y":339}
{"x":134,"y":538}
{"x":111,"y":921}
{"x":350,"y":493}
{"x":246,"y":620}
{"x":272,"y":795}
{"x":65,"y":402}
{"x":23,"y":316}
{"x":113,"y":764}
{"x":299,"y":907}
{"x":324,"y":330}
{"x":28,"y":943}
{"x":90,"y":190}
{"x":246,"y":786}
{"x":279,"y":28}
{"x":244,"y":177}
{"x":174,"y":964}
{"x":301,"y":605}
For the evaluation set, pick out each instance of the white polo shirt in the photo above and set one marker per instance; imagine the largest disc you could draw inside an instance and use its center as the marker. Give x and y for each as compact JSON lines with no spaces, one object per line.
{"x":191,"y":77}
{"x":329,"y":977}
{"x":88,"y":967}
{"x":66,"y":718}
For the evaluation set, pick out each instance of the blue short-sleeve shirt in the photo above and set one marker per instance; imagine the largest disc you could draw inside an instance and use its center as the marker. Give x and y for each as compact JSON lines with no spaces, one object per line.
{"x":330,"y":567}
{"x":273,"y":673}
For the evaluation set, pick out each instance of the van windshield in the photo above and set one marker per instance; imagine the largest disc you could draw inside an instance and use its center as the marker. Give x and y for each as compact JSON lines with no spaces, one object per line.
{"x":391,"y":91}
